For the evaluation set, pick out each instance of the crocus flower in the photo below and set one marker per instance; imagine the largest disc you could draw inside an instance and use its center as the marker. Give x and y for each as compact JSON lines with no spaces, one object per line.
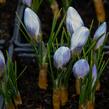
{"x":61,"y":57}
{"x":81,"y":68}
{"x":73,"y":20}
{"x":79,"y":39}
{"x":32,"y":23}
{"x":94,"y":74}
{"x":2,"y":63}
{"x":100,"y":32}
{"x":27,"y":2}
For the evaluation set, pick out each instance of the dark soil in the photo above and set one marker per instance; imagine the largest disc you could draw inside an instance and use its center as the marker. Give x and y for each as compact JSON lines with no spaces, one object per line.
{"x":7,"y":16}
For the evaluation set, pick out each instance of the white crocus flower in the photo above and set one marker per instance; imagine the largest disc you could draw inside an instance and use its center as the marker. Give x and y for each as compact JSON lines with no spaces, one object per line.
{"x":32,"y":23}
{"x":100,"y":32}
{"x":61,"y":57}
{"x":2,"y":64}
{"x":73,"y":20}
{"x":79,"y":39}
{"x":81,"y":68}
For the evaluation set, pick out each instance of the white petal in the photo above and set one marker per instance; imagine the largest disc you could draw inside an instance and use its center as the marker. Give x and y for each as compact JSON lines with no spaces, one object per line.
{"x":94,"y":74}
{"x":32,"y":22}
{"x":27,"y":2}
{"x":73,"y":20}
{"x":61,"y":57}
{"x":100,"y":31}
{"x":2,"y":63}
{"x":100,"y":42}
{"x":81,"y":68}
{"x":79,"y":38}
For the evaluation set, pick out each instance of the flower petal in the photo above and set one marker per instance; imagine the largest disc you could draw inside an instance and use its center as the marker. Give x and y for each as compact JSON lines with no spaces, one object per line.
{"x":73,"y":20}
{"x":94,"y":74}
{"x":2,"y":63}
{"x":79,"y":39}
{"x":32,"y":23}
{"x":81,"y":68}
{"x":61,"y":57}
{"x":27,"y":2}
{"x":100,"y":32}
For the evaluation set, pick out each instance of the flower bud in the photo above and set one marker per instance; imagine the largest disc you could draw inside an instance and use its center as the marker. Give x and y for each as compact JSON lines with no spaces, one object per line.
{"x":79,"y":39}
{"x":100,"y":32}
{"x":94,"y":74}
{"x":73,"y":20}
{"x":27,"y":2}
{"x":32,"y":23}
{"x":61,"y":57}
{"x":2,"y":64}
{"x":81,"y":68}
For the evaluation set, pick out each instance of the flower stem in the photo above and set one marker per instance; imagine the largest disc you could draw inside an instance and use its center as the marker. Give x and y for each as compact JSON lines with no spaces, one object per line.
{"x":2,"y":1}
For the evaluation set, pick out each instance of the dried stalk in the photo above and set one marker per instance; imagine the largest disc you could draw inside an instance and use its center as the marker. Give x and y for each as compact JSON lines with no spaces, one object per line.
{"x":2,"y":1}
{"x":100,"y":11}
{"x":88,"y":105}
{"x":64,"y":96}
{"x":17,"y":99}
{"x":77,"y":86}
{"x":42,"y":83}
{"x":55,"y":8}
{"x":10,"y":105}
{"x":56,"y":99}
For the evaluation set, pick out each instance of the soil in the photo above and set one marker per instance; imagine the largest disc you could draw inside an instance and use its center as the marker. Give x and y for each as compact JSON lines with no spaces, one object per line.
{"x":32,"y":96}
{"x":7,"y":16}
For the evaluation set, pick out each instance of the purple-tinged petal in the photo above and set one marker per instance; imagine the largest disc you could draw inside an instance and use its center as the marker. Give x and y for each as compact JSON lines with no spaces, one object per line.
{"x":100,"y":32}
{"x":79,"y":39}
{"x":73,"y":20}
{"x":32,"y":23}
{"x":61,"y":57}
{"x":2,"y":63}
{"x":27,"y":2}
{"x":94,"y":74}
{"x":81,"y":68}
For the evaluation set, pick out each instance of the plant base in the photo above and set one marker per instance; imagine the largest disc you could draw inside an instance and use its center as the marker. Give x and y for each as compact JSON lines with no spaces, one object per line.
{"x":10,"y":106}
{"x":2,"y":1}
{"x":64,"y":96}
{"x":99,"y":10}
{"x":17,"y":99}
{"x":56,"y":99}
{"x":88,"y":105}
{"x":42,"y":83}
